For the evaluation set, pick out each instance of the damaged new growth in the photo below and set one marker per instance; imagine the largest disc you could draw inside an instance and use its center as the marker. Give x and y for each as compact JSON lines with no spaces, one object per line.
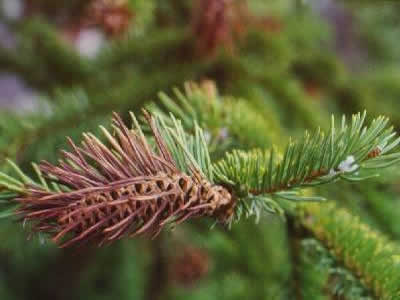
{"x":125,"y":188}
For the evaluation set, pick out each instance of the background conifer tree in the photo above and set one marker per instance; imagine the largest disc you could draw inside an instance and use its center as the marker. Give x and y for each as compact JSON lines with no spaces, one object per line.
{"x":232,"y":87}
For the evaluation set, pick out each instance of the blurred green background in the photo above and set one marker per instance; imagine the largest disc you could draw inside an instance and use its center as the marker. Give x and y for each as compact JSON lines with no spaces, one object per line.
{"x":66,"y":65}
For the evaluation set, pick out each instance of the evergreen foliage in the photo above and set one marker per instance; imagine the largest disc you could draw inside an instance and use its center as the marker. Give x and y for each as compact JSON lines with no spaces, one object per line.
{"x":280,"y":67}
{"x":368,"y":254}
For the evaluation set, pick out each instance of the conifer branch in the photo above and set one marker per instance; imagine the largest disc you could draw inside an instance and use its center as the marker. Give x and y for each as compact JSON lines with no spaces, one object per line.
{"x":351,"y":152}
{"x":228,"y":123}
{"x":324,"y":276}
{"x":85,"y":189}
{"x":368,"y":254}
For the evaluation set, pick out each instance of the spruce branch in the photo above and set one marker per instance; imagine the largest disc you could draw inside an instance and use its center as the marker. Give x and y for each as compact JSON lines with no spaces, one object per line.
{"x":125,"y":187}
{"x":352,"y":152}
{"x":349,"y":152}
{"x":368,"y":254}
{"x":324,"y":274}
{"x":228,"y":123}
